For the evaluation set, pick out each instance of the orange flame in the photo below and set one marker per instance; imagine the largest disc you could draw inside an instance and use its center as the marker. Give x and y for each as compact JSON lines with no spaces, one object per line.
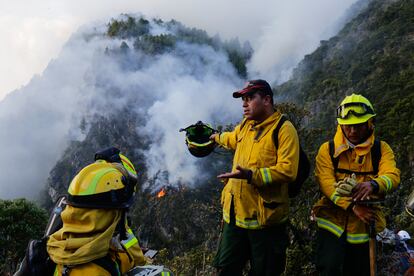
{"x":161,"y":193}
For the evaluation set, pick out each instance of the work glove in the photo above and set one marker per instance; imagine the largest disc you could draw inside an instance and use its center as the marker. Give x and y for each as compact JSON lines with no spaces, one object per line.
{"x":351,"y":180}
{"x":344,"y":187}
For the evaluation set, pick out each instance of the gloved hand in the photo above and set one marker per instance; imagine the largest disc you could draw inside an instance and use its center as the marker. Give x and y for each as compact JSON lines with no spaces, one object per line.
{"x":344,"y":187}
{"x":351,"y":180}
{"x":336,"y":184}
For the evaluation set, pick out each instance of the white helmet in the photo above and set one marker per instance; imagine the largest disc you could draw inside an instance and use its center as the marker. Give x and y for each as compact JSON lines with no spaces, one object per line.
{"x":403,"y":235}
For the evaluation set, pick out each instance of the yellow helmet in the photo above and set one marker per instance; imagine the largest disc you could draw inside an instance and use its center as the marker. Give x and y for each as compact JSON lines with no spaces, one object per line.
{"x":104,"y":184}
{"x":354,"y":109}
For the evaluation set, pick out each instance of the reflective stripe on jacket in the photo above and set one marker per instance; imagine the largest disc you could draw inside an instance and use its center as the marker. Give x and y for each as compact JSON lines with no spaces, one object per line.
{"x":333,"y":212}
{"x":265,"y":200}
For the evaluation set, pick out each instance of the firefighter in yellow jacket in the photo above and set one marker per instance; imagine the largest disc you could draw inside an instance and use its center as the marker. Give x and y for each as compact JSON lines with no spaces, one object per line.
{"x":95,"y":238}
{"x":255,"y":196}
{"x":349,"y":174}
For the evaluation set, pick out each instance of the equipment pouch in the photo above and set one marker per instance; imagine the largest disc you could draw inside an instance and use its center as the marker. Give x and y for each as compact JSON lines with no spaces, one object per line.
{"x":271,"y":212}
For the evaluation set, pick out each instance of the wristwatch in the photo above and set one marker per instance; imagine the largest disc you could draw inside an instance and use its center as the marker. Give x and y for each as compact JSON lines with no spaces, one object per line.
{"x":375,"y":186}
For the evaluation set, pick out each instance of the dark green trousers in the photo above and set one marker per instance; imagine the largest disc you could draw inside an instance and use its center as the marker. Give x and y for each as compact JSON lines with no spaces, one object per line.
{"x":265,"y":248}
{"x":336,"y":257}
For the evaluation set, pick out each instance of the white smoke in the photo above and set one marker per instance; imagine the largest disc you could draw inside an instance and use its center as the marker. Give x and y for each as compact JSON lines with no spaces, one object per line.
{"x":295,"y":30}
{"x":171,"y":90}
{"x":36,"y":121}
{"x":186,"y":99}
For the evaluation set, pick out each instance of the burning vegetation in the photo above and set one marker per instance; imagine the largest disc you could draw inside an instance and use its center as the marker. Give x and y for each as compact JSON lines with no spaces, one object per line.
{"x":161,"y":193}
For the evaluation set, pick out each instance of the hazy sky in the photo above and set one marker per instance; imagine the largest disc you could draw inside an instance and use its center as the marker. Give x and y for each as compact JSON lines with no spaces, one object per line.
{"x":33,"y":32}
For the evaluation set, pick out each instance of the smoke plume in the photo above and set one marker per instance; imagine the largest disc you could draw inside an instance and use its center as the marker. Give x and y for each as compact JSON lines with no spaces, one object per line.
{"x":171,"y":90}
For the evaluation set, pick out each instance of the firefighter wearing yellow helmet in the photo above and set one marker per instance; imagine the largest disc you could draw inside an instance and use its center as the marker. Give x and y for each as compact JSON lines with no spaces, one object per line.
{"x":352,"y":169}
{"x":95,"y":238}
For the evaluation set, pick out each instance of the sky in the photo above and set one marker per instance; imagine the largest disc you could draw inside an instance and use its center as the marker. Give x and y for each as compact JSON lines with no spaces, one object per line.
{"x":34,"y":32}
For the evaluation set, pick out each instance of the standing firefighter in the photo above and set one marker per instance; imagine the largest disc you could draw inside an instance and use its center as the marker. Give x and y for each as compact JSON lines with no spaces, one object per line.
{"x":255,"y":197}
{"x":95,"y":238}
{"x":351,"y":169}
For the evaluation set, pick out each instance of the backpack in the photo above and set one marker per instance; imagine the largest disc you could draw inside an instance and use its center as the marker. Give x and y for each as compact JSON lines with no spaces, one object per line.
{"x":375,"y":159}
{"x":36,"y":260}
{"x":304,"y":164}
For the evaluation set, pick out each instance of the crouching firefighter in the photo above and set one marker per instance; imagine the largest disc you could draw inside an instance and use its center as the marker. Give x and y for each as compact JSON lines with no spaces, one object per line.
{"x":95,"y":238}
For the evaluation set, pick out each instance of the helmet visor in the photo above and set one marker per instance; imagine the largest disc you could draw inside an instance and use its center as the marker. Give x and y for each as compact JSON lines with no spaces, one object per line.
{"x":356,"y":109}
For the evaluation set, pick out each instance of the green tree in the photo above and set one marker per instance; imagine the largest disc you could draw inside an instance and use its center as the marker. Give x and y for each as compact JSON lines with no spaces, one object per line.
{"x":20,"y":221}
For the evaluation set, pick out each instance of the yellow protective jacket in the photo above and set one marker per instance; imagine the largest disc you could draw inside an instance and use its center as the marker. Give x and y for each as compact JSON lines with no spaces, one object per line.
{"x":89,"y":234}
{"x":334,"y":212}
{"x":265,"y":200}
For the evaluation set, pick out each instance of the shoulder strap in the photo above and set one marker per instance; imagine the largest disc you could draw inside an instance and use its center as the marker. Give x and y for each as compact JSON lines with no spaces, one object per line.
{"x":276,"y":130}
{"x":108,"y":264}
{"x":375,"y":158}
{"x":376,"y":155}
{"x":105,"y":262}
{"x":331,"y":153}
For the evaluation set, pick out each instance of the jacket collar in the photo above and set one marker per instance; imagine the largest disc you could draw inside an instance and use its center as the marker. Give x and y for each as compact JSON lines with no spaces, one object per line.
{"x":263,"y":127}
{"x":342,"y":144}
